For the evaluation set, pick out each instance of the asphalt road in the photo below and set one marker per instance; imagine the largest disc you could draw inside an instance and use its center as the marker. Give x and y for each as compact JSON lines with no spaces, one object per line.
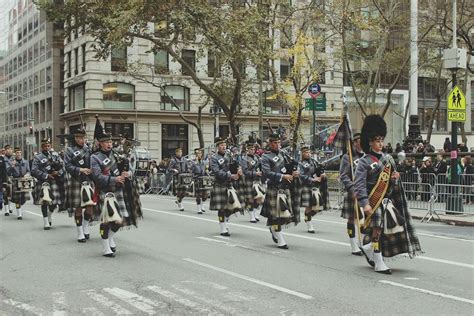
{"x":176,"y":263}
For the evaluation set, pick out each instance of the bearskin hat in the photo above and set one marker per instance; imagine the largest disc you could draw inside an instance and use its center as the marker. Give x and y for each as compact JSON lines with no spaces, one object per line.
{"x":374,"y":126}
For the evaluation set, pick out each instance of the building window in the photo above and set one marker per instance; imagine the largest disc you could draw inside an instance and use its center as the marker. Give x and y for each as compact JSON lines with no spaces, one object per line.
{"x":68,"y":74}
{"x":213,"y":67}
{"x":118,"y":95}
{"x":117,"y":129}
{"x":272,"y":104}
{"x":77,"y":97}
{"x":179,"y":94}
{"x":119,"y":59}
{"x":83,"y":57}
{"x":189,"y":56}
{"x":161,"y":62}
{"x":241,"y":65}
{"x":173,"y":136}
{"x":76,"y":61}
{"x":284,"y":69}
{"x":440,"y":118}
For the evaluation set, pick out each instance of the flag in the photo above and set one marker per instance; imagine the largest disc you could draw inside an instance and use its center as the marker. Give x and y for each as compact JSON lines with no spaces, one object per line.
{"x":343,"y":135}
{"x":98,"y":130}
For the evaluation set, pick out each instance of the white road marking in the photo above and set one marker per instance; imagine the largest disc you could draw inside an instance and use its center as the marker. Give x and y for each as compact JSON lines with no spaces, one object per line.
{"x":25,"y":307}
{"x":59,"y":304}
{"x":229,"y":244}
{"x":411,"y":279}
{"x":217,"y":286}
{"x":445,"y":237}
{"x":142,"y":303}
{"x":92,"y":311}
{"x":101,"y":299}
{"x":344,"y":244}
{"x":452,"y":297}
{"x":183,"y":301}
{"x":246,"y":278}
{"x":215,"y":304}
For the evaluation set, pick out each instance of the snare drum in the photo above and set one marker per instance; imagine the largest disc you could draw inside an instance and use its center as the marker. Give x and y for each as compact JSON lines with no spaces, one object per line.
{"x":207,"y":181}
{"x":185,"y":178}
{"x":25,"y":184}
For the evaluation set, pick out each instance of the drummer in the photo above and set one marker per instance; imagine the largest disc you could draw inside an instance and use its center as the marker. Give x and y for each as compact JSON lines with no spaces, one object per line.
{"x":200,"y":169}
{"x":8,"y":157}
{"x":179,"y":166}
{"x":19,"y":168}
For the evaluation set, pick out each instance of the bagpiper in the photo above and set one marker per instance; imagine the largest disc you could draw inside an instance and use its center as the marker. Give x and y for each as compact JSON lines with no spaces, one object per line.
{"x":180,"y":167}
{"x":19,"y":168}
{"x":283,"y":194}
{"x":77,"y":160}
{"x":118,"y":198}
{"x":346,"y":177}
{"x":8,"y":157}
{"x":3,"y":178}
{"x":313,"y":179}
{"x":200,"y":169}
{"x":380,"y":194}
{"x":48,"y":169}
{"x":252,"y":185}
{"x":225,"y":197}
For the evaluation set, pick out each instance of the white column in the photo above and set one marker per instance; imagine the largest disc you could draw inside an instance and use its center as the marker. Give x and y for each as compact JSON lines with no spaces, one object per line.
{"x":413,"y":57}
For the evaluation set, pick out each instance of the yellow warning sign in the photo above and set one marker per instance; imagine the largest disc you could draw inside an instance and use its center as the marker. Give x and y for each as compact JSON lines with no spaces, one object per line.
{"x":456,"y":116}
{"x":456,"y":100}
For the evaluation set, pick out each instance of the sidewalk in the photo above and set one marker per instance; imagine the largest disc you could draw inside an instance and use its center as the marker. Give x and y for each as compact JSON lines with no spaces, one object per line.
{"x":461,"y":219}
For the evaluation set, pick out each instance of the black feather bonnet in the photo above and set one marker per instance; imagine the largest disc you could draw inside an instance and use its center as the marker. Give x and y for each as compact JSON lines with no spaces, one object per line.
{"x":374,"y":126}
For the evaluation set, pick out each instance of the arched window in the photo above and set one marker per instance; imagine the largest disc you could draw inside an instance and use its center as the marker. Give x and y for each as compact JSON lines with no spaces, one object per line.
{"x":179,"y":94}
{"x":118,"y":95}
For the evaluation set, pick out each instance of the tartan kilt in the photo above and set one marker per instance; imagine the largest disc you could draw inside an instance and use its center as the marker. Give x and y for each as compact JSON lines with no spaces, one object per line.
{"x":306,"y":195}
{"x":122,"y":208}
{"x":58,"y":189}
{"x":219,"y":198}
{"x":247,"y":187}
{"x":269,"y":209}
{"x":74,"y":192}
{"x":179,"y":190}
{"x":200,"y":192}
{"x":348,"y":206}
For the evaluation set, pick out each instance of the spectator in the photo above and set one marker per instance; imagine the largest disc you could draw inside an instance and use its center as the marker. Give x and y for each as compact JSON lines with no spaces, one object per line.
{"x":447,"y":145}
{"x":420,"y":148}
{"x":467,"y":179}
{"x":389,"y":148}
{"x":398,"y":148}
{"x":401,"y":162}
{"x":427,"y":173}
{"x":441,"y":169}
{"x":411,"y":177}
{"x":463,"y":148}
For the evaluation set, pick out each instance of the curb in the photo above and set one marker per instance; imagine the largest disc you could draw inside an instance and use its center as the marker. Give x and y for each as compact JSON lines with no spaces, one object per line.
{"x":453,"y":222}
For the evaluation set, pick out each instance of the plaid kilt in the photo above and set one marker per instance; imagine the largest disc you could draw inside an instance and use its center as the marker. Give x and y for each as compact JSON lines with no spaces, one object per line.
{"x":58,"y":189}
{"x":399,"y":243}
{"x":200,"y":192}
{"x":179,"y":190}
{"x":219,"y":198}
{"x":269,"y":209}
{"x":74,"y":192}
{"x":247,"y":186}
{"x":348,"y":206}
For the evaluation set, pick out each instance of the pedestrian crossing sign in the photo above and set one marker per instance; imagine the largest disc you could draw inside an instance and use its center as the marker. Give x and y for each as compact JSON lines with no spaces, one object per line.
{"x":456,"y":100}
{"x":456,"y":105}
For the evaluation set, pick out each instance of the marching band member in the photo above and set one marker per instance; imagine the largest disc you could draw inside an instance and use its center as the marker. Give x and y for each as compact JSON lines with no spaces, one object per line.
{"x":346,"y":178}
{"x":179,"y":165}
{"x":48,"y":169}
{"x":3,"y":177}
{"x":8,"y":185}
{"x":380,"y":195}
{"x":19,"y":168}
{"x":118,"y":197}
{"x":312,"y":178}
{"x":77,"y":163}
{"x":199,"y":169}
{"x":224,"y":195}
{"x":281,"y":206}
{"x":250,"y":164}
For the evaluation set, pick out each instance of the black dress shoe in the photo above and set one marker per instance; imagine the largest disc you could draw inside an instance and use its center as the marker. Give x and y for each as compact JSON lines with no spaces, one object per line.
{"x":388,"y":271}
{"x":226,"y":234}
{"x":19,"y":218}
{"x":110,"y":255}
{"x":258,"y":220}
{"x":254,"y":221}
{"x":47,"y":228}
{"x":275,"y":240}
{"x":81,"y":240}
{"x":87,"y":236}
{"x":311,"y":232}
{"x":283,"y":247}
{"x":358,"y":253}
{"x":7,"y":214}
{"x":114,"y":249}
{"x":181,"y":209}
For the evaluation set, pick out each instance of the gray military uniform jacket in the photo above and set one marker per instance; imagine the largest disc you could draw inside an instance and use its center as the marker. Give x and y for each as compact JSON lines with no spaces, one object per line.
{"x":19,"y":169}
{"x":75,"y":158}
{"x":46,"y":163}
{"x":199,"y":167}
{"x":345,"y":173}
{"x":220,"y":168}
{"x":250,"y":166}
{"x":180,"y":164}
{"x":273,"y":168}
{"x":105,"y":170}
{"x":309,"y":168}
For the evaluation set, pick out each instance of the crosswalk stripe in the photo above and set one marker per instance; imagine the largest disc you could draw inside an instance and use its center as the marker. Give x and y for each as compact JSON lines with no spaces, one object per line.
{"x":183,"y":301}
{"x":215,"y":304}
{"x":23,"y":306}
{"x":59,"y":304}
{"x":142,"y":303}
{"x":101,"y":299}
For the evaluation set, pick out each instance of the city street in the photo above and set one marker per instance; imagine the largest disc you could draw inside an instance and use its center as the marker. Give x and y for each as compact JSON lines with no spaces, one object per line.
{"x":176,"y":263}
